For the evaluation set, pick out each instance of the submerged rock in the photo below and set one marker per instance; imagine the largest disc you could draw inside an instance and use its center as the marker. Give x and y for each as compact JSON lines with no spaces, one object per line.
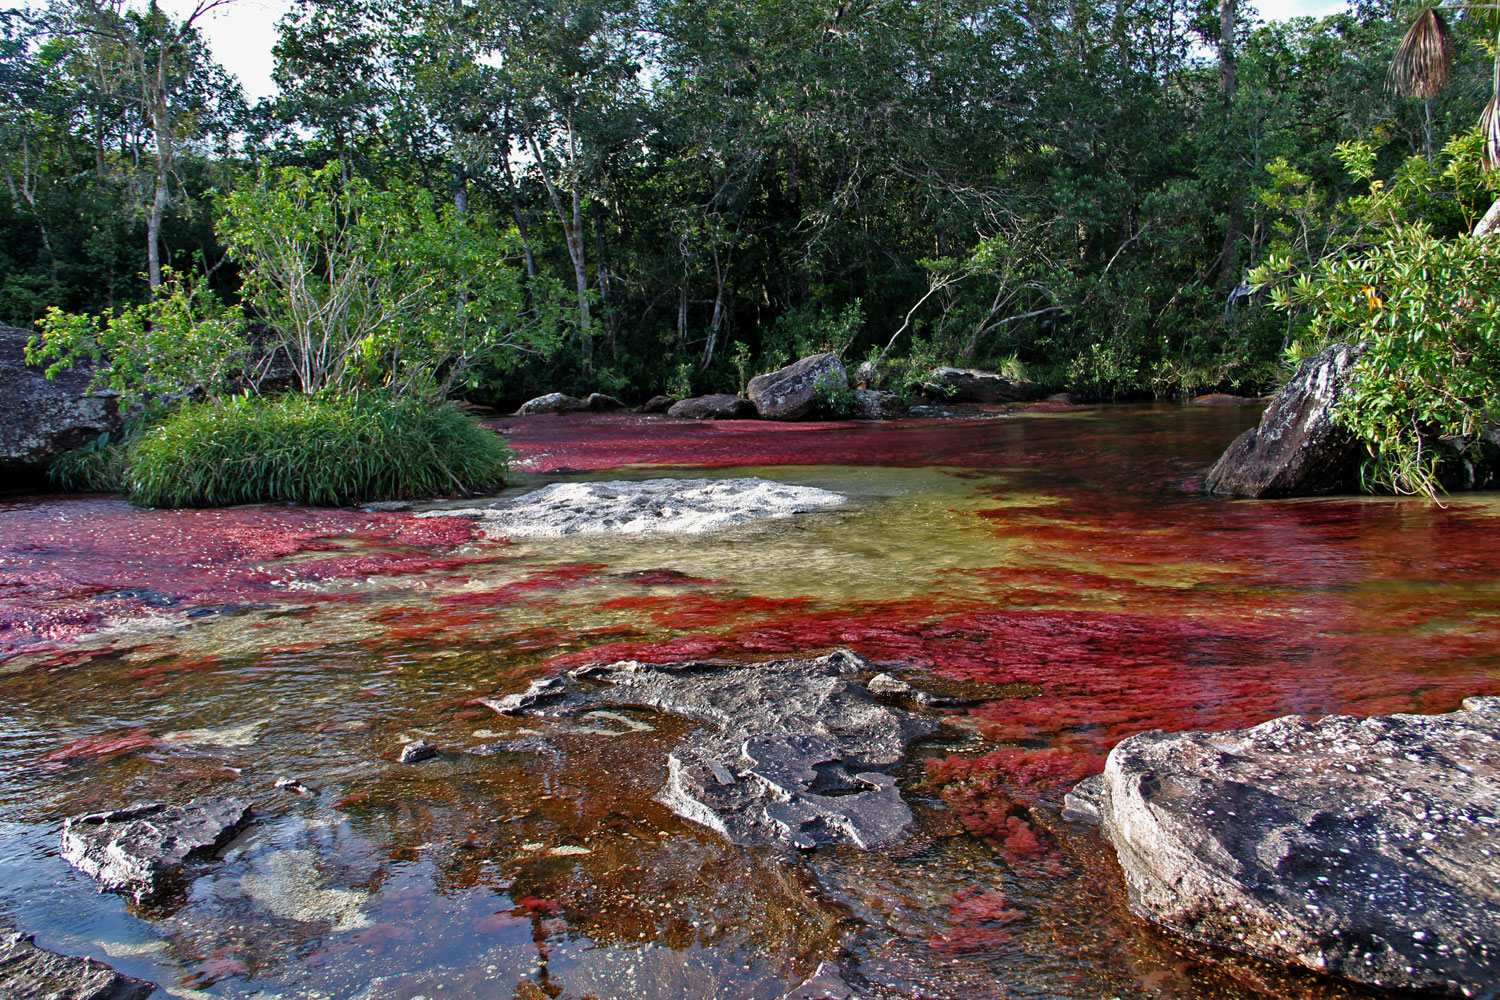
{"x":144,"y":850}
{"x":720,"y":406}
{"x":794,"y":751}
{"x":1297,"y":449}
{"x":791,"y":393}
{"x":1362,"y":848}
{"x":31,"y":973}
{"x":827,"y":983}
{"x":41,"y":418}
{"x":651,"y":506}
{"x":970,"y":385}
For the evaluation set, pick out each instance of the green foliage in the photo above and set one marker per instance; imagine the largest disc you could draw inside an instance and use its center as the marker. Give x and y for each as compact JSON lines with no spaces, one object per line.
{"x":813,"y":329}
{"x":310,"y":450}
{"x":186,"y":339}
{"x":371,"y":288}
{"x":97,"y":467}
{"x":835,"y":398}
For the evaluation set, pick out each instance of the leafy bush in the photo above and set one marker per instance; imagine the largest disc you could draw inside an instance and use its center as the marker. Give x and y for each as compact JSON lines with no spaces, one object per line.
{"x":311,"y":450}
{"x":97,"y":467}
{"x":835,"y":398}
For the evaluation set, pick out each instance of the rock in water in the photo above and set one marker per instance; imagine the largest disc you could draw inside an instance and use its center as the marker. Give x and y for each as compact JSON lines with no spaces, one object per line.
{"x":143,"y":851}
{"x":875,"y":404}
{"x":553,"y":402}
{"x":1297,"y":449}
{"x":41,"y":418}
{"x":791,"y":393}
{"x":1367,"y":849}
{"x":794,"y":751}
{"x":657,"y":404}
{"x":31,"y":973}
{"x":651,"y":506}
{"x":720,"y":406}
{"x":416,"y":752}
{"x":970,"y":385}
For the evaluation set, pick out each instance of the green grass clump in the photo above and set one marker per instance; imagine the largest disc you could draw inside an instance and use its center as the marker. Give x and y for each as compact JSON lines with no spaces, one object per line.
{"x":307,"y":450}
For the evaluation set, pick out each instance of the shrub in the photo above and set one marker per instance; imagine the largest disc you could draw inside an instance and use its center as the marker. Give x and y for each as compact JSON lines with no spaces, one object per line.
{"x":312,"y":450}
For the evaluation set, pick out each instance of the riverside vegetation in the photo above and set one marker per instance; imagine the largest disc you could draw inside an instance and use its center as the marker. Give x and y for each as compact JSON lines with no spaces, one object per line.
{"x":496,"y":199}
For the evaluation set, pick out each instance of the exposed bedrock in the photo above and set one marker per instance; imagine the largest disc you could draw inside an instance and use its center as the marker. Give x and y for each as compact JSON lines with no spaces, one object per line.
{"x":1362,"y":848}
{"x":1297,"y":449}
{"x":792,"y":751}
{"x":970,"y":385}
{"x":41,"y":418}
{"x":144,"y":851}
{"x":31,"y":973}
{"x":791,"y":393}
{"x":650,"y":506}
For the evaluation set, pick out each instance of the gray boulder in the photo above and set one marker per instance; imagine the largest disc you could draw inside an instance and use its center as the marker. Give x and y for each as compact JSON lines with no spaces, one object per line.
{"x":40,"y":418}
{"x":658,"y":404}
{"x":553,"y":402}
{"x":791,"y":752}
{"x":970,"y":385}
{"x":144,"y":851}
{"x":598,"y":402}
{"x":1362,"y":848}
{"x":31,"y":973}
{"x":1297,"y":449}
{"x":720,"y":406}
{"x":875,"y":404}
{"x":791,"y":393}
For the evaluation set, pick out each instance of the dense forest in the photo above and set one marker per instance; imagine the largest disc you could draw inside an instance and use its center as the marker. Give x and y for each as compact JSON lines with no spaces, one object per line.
{"x":672,"y":195}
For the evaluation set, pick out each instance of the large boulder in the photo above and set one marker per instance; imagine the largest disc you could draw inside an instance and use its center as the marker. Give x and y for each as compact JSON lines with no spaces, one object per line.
{"x":970,"y":385}
{"x":791,"y":393}
{"x":552,"y":402}
{"x":720,"y":406}
{"x":1362,"y":848}
{"x":40,"y":418}
{"x":31,"y":973}
{"x":1297,"y":449}
{"x":145,"y":851}
{"x":657,"y":404}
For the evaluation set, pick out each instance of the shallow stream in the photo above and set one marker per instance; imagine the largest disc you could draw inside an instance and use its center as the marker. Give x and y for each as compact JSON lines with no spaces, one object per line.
{"x":1060,"y":569}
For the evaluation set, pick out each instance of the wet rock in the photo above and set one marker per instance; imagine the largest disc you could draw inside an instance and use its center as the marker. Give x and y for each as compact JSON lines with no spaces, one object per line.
{"x":651,"y":506}
{"x":970,"y":385}
{"x":793,"y":752}
{"x":144,"y":851}
{"x":658,"y":404}
{"x":1297,"y":449}
{"x":1225,"y":399}
{"x":825,"y":984}
{"x":715,"y":407}
{"x":553,"y":402}
{"x":598,"y":402}
{"x":41,"y":418}
{"x":1362,"y":848}
{"x":548,"y":689}
{"x":889,"y":686}
{"x":875,"y":404}
{"x":791,"y":393}
{"x":31,"y":973}
{"x":292,"y":885}
{"x":416,"y":752}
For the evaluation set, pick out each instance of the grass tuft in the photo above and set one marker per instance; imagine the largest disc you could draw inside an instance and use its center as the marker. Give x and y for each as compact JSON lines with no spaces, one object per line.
{"x":307,"y":450}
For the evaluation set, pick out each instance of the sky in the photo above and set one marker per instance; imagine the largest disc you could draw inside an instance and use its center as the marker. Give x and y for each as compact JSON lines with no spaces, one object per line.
{"x":241,"y":33}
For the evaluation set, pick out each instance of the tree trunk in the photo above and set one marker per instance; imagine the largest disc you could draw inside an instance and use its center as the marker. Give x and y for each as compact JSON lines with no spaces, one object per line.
{"x":1234,"y":232}
{"x":1491,"y":222}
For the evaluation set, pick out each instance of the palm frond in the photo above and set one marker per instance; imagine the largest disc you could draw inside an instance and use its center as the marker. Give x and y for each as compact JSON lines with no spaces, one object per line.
{"x":1424,"y":57}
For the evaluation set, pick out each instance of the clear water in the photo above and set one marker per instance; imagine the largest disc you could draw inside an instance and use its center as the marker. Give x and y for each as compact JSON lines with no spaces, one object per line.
{"x":1060,"y":568}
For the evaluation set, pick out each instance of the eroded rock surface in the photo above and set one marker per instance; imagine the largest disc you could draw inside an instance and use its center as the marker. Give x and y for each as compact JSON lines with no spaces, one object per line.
{"x":792,"y":752}
{"x":1362,"y":848}
{"x":31,"y":973}
{"x":791,"y":393}
{"x":41,"y":418}
{"x":684,"y":506}
{"x":1297,"y":449}
{"x":719,"y":406}
{"x":970,"y":385}
{"x":143,"y":851}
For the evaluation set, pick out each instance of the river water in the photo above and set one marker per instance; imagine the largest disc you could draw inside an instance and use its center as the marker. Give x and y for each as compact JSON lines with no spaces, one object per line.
{"x":1059,"y":569}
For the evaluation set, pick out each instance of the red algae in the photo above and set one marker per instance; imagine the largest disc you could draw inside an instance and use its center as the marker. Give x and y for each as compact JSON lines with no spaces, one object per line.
{"x":70,"y":566}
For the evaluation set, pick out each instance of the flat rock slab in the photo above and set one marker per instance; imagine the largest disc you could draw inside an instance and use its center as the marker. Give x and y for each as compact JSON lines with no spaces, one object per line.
{"x":31,"y":973}
{"x":1362,"y":848}
{"x":792,"y":752}
{"x":144,"y":850}
{"x":652,"y":506}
